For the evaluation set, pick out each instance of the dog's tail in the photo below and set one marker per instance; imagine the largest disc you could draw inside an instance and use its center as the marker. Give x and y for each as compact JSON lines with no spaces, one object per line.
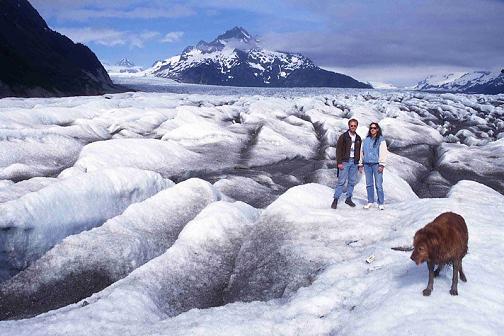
{"x":403,"y":248}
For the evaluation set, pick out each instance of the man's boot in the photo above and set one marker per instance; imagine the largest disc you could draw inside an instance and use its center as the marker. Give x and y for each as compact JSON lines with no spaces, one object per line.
{"x":334,"y":204}
{"x":349,"y":202}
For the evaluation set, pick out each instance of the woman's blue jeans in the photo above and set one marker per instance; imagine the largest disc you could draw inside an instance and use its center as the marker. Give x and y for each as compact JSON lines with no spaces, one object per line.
{"x":374,"y":178}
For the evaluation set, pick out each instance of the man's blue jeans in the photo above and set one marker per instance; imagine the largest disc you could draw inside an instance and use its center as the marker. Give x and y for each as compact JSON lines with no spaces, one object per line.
{"x":349,"y":172}
{"x":374,"y":177}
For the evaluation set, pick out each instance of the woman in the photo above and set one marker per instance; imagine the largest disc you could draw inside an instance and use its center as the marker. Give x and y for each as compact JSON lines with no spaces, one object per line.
{"x":372,"y":161}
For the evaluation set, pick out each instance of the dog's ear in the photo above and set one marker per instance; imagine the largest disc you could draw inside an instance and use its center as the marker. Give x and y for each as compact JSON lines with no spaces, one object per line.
{"x":418,"y":237}
{"x":434,"y":244}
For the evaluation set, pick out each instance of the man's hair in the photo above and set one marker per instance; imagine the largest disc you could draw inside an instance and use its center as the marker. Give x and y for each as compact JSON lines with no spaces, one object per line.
{"x":352,"y":120}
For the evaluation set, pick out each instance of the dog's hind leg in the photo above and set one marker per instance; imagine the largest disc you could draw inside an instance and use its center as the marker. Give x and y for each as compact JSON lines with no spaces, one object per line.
{"x":456,"y":268}
{"x":438,"y":269}
{"x":462,"y":275}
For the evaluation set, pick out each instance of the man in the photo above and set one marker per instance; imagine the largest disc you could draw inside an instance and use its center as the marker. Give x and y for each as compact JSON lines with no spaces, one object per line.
{"x":347,"y":158}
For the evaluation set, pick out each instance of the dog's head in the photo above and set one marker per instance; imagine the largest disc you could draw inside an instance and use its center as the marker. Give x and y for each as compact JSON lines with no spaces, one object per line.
{"x":421,"y":247}
{"x":420,"y":254}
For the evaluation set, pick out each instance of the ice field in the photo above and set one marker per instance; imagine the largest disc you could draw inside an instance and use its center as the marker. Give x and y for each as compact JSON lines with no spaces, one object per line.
{"x":197,"y":210}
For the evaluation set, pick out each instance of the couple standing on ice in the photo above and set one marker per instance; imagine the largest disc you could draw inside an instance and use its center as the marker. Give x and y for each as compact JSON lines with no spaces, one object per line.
{"x":369,"y":155}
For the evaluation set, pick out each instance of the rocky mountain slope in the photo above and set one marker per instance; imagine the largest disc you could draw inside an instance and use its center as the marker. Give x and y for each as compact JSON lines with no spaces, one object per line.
{"x":36,"y":61}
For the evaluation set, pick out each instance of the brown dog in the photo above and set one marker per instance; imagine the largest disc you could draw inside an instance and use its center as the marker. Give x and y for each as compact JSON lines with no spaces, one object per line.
{"x":441,"y":242}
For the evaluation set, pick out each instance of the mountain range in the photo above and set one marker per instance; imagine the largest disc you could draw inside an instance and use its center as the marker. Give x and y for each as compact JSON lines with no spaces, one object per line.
{"x":235,"y":58}
{"x":36,"y":61}
{"x":483,"y":82}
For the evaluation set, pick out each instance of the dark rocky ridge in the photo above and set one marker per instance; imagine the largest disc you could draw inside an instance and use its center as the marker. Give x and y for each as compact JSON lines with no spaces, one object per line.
{"x":36,"y":61}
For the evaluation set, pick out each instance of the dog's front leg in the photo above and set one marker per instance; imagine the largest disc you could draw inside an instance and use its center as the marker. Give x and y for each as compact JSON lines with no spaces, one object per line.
{"x":427,"y":291}
{"x":456,"y":266}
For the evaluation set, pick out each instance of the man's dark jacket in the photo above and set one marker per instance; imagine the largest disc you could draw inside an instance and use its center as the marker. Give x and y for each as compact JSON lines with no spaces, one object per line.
{"x":343,"y":148}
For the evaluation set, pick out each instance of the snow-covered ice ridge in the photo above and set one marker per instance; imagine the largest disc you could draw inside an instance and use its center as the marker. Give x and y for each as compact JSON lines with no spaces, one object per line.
{"x":163,"y":213}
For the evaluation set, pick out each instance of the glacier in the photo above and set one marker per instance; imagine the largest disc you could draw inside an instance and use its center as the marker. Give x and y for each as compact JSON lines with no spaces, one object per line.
{"x":198,"y":210}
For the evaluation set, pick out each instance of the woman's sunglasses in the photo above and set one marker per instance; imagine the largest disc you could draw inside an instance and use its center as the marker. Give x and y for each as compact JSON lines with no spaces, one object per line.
{"x":373,"y":127}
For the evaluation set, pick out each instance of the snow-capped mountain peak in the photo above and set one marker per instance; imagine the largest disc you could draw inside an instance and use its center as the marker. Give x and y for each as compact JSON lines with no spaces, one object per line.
{"x":125,"y":63}
{"x":236,"y":38}
{"x":235,"y":58}
{"x":235,"y":33}
{"x":124,"y":66}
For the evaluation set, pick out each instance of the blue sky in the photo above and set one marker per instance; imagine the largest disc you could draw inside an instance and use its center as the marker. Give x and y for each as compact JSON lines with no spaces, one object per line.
{"x":398,"y":42}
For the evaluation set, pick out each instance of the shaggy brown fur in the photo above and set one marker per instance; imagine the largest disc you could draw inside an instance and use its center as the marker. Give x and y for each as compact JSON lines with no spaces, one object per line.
{"x":442,"y":242}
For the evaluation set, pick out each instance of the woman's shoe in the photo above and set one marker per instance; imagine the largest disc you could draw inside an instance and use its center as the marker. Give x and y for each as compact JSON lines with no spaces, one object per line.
{"x":368,"y":206}
{"x":381,"y":207}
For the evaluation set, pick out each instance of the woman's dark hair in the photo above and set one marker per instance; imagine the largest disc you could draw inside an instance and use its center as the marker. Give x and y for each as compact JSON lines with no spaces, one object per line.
{"x":378,"y":132}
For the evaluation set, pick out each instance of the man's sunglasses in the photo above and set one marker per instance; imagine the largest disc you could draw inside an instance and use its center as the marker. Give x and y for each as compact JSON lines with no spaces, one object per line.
{"x":353,"y":125}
